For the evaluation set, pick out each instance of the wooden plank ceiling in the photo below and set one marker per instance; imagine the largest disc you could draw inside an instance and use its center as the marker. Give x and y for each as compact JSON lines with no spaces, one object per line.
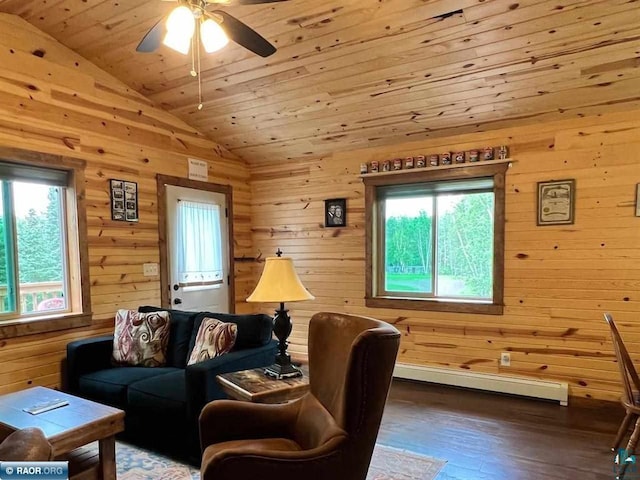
{"x":356,"y":73}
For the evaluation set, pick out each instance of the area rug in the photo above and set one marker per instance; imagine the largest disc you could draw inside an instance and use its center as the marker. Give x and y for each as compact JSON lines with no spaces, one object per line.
{"x":134,"y":463}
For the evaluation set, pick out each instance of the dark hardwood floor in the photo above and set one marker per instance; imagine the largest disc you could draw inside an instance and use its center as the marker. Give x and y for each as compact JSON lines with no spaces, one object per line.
{"x":491,"y":436}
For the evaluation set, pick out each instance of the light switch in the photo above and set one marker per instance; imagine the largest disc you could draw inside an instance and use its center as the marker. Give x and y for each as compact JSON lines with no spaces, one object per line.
{"x":150,"y":269}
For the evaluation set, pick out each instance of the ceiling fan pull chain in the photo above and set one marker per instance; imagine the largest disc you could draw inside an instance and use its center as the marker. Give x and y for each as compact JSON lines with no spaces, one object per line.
{"x":197,"y":47}
{"x":193,"y":72}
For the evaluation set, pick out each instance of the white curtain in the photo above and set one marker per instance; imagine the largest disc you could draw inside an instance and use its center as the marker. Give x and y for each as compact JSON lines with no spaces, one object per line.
{"x":199,"y":243}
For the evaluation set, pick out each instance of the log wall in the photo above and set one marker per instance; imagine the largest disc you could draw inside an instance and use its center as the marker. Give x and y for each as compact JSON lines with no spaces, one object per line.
{"x":54,"y":101}
{"x":558,"y":279}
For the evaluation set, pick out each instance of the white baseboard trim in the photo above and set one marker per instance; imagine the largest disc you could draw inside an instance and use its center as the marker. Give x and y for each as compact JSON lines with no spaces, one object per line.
{"x":527,"y":387}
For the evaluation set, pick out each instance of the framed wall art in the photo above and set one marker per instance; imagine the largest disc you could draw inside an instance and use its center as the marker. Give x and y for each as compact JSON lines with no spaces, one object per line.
{"x":124,"y":200}
{"x":335,"y":212}
{"x":556,"y":202}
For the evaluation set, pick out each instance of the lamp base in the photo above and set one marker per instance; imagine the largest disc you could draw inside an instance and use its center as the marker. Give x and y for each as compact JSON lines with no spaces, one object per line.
{"x":279,"y":372}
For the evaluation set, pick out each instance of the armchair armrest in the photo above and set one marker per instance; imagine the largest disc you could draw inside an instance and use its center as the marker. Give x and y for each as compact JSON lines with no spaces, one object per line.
{"x":325,"y":461}
{"x":85,"y":356}
{"x":225,"y":420}
{"x":202,"y":386}
{"x":28,"y":444}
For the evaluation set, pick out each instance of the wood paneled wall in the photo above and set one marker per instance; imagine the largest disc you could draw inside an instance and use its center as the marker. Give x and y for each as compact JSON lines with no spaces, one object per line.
{"x":558,"y":279}
{"x":54,"y":101}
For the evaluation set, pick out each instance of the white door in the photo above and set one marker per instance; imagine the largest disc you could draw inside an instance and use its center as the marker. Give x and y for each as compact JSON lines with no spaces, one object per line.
{"x":197,"y":250}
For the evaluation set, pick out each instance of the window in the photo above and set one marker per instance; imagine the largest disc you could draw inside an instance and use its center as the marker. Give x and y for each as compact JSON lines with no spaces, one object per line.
{"x":435,"y":239}
{"x":33,"y":277}
{"x":42,"y":241}
{"x":199,"y":239}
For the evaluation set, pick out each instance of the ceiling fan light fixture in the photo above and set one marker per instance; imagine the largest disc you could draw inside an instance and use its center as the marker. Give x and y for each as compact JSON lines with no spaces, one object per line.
{"x":212,"y":36}
{"x":180,"y":28}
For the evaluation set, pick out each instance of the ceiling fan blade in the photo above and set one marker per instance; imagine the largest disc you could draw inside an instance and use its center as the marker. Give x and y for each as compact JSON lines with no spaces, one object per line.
{"x":152,"y":40}
{"x":244,"y":35}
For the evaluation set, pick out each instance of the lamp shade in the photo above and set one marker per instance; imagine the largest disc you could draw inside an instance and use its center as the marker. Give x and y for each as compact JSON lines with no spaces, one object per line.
{"x":212,"y":36}
{"x":279,"y":283}
{"x":180,"y":28}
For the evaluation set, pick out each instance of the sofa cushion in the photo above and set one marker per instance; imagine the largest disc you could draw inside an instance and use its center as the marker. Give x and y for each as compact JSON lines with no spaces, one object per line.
{"x":140,"y":339}
{"x":165,"y":394}
{"x":110,"y":386}
{"x":214,"y":338}
{"x":253,"y":330}
{"x":180,"y":327}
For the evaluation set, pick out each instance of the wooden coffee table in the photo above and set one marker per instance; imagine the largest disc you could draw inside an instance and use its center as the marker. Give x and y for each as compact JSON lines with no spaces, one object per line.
{"x":254,"y":386}
{"x":68,"y":428}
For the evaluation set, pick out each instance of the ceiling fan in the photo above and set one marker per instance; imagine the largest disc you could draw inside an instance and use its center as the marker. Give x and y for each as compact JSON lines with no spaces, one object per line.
{"x":213,"y":27}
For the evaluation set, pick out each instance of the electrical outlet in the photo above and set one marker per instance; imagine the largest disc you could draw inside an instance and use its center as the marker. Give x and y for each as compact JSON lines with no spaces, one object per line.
{"x":150,"y":269}
{"x":505,"y":359}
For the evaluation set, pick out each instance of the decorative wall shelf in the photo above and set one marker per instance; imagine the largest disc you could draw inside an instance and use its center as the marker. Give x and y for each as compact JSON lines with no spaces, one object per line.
{"x":439,"y":167}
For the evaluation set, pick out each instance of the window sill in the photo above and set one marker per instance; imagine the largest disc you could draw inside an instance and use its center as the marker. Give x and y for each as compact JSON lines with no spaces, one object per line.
{"x":49,"y":323}
{"x":434,"y":305}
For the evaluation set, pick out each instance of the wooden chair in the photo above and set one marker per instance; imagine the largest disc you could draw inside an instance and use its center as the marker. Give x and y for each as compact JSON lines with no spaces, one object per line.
{"x":630,"y":398}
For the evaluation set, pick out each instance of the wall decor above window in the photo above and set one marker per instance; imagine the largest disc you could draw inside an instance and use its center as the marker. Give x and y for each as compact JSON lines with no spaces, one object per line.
{"x":556,"y":202}
{"x":441,"y":160}
{"x":124,"y":200}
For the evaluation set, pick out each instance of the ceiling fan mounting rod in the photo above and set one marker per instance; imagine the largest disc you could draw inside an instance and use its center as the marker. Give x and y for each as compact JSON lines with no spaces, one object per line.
{"x":199,"y":10}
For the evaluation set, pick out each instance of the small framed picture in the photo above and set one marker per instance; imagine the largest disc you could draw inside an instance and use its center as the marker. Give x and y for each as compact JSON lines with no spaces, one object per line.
{"x":556,"y":202}
{"x":124,"y":200}
{"x":335,"y":212}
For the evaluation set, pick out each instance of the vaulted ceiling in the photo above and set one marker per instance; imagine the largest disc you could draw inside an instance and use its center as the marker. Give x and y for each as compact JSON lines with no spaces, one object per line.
{"x":356,"y":73}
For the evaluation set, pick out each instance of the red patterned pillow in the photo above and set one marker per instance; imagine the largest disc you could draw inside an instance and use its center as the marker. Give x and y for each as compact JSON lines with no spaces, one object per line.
{"x":214,"y":338}
{"x":141,"y":339}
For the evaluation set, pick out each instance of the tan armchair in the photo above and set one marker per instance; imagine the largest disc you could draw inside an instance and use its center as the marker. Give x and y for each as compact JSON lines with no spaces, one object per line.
{"x":28,"y":444}
{"x":328,"y":434}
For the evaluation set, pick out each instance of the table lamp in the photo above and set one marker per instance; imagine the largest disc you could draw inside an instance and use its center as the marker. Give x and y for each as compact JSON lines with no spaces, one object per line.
{"x":280,"y":283}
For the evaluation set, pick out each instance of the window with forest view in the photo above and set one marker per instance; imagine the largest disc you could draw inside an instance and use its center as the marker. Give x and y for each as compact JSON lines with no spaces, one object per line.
{"x":44,"y":268}
{"x":437,"y":241}
{"x":439,"y":245}
{"x":32,"y":266}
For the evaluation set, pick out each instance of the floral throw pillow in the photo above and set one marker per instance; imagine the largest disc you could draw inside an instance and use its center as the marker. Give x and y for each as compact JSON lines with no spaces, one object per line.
{"x":140,"y":339}
{"x":214,"y":338}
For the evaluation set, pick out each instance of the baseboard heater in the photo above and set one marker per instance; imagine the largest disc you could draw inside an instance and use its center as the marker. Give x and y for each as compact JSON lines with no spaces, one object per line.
{"x":526,"y":387}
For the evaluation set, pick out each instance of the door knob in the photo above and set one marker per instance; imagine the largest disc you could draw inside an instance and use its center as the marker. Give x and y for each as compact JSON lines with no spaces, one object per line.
{"x":176,"y":287}
{"x":177,"y":301}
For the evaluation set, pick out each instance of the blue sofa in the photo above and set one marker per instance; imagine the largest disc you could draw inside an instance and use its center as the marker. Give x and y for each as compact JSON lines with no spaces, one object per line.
{"x":162,"y":404}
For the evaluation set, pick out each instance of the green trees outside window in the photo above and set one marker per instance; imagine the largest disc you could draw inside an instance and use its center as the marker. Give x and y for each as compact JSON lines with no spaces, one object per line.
{"x":459,"y":264}
{"x":31,"y":248}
